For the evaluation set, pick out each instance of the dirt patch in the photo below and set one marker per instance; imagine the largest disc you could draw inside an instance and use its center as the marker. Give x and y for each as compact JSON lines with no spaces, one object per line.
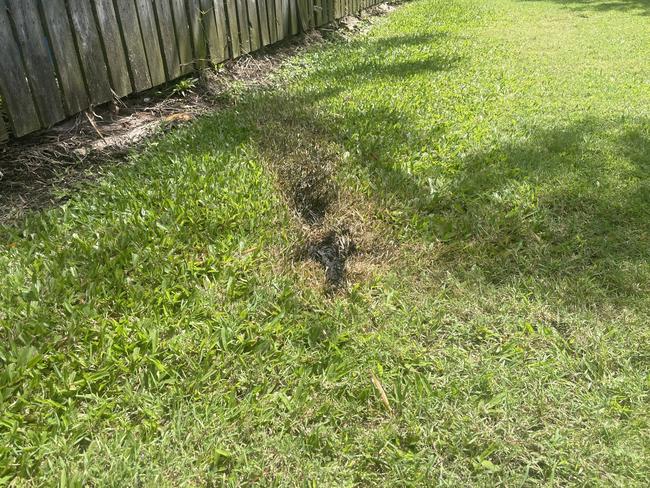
{"x":305,"y":160}
{"x":332,"y":252}
{"x":306,"y":177}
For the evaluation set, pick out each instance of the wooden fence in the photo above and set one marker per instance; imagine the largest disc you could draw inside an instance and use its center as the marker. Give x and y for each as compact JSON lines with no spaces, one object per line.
{"x":60,"y":57}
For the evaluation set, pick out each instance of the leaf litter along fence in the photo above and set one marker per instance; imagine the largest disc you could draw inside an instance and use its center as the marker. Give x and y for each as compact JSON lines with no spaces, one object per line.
{"x":60,"y":57}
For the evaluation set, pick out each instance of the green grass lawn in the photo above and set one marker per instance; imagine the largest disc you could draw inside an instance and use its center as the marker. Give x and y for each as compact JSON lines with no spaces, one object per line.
{"x":490,"y":162}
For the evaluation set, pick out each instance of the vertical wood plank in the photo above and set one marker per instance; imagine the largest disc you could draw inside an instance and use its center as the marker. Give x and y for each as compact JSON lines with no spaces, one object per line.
{"x":182,"y":27}
{"x":199,"y":39}
{"x":305,"y":13}
{"x":318,"y":13}
{"x":286,"y":19}
{"x":14,"y":88}
{"x":222,"y":30}
{"x":90,"y":51}
{"x":214,"y":25}
{"x":311,"y":4}
{"x":293,"y":9}
{"x":147,"y":19}
{"x":262,"y":13}
{"x":67,"y":64}
{"x":115,"y":56}
{"x":244,"y":31}
{"x":326,"y":8}
{"x":233,"y":29}
{"x":4,"y":132}
{"x":253,"y":25}
{"x":279,"y":19}
{"x":273,"y":27}
{"x":168,"y":43}
{"x":210,"y":28}
{"x":138,"y":68}
{"x":38,"y":61}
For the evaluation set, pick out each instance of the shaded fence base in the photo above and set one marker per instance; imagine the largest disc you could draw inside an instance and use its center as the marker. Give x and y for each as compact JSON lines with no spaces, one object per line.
{"x":60,"y":57}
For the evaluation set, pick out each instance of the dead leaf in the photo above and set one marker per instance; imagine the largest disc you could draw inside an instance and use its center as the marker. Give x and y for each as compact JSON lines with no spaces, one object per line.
{"x":382,"y":392}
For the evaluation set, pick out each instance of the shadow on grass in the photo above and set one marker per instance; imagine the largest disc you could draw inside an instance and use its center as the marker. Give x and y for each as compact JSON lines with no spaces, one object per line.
{"x":641,"y":7}
{"x":566,"y":206}
{"x":569,"y":203}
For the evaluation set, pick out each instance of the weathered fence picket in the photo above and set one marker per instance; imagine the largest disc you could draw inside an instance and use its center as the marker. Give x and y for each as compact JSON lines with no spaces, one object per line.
{"x":168,"y":43}
{"x":61,"y":57}
{"x":233,"y":35}
{"x":4,"y":132}
{"x":109,"y":28}
{"x":151,"y":41}
{"x":183,"y":36}
{"x":244,"y":31}
{"x":214,"y":32}
{"x":139,"y":69}
{"x":197,"y":32}
{"x":273,"y":27}
{"x":89,"y":47}
{"x":13,"y":82}
{"x":221,"y":53}
{"x":265,"y":35}
{"x":68,"y":67}
{"x":37,"y":60}
{"x":253,"y":25}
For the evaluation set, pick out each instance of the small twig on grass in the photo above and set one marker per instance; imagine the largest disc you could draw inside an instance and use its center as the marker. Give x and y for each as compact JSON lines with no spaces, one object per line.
{"x":93,"y":124}
{"x":382,"y":392}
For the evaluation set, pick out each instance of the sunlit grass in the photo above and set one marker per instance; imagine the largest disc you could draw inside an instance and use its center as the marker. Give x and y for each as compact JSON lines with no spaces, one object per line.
{"x":159,"y":328}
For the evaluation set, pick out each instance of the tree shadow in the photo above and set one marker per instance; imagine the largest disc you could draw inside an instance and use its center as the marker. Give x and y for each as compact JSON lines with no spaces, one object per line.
{"x":568,"y":205}
{"x":640,"y":7}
